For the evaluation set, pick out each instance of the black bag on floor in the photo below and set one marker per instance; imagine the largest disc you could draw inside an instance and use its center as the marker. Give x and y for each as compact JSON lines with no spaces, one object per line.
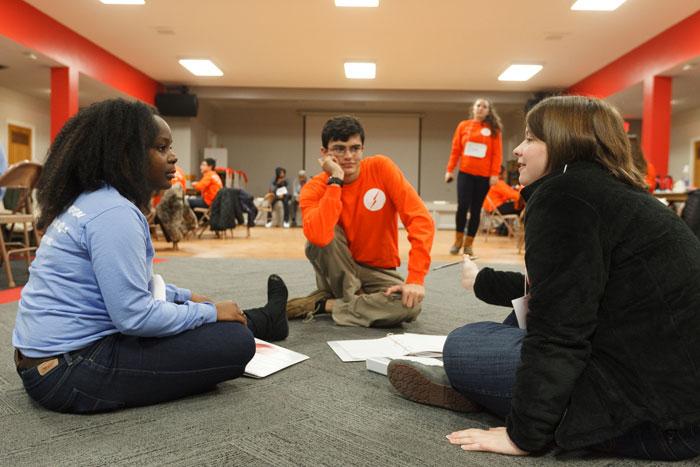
{"x":691,"y":212}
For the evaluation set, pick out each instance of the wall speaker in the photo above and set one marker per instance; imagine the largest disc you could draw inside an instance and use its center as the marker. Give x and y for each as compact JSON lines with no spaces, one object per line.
{"x":177,"y":105}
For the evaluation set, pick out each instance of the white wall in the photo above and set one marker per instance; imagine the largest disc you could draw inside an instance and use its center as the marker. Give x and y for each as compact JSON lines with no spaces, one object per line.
{"x":260,"y":140}
{"x":20,"y":109}
{"x":685,"y":128}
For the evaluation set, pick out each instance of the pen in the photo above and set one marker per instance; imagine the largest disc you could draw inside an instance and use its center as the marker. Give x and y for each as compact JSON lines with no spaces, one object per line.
{"x":448,"y":265}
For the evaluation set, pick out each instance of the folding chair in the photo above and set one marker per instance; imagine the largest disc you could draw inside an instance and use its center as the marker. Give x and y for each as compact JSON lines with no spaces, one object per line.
{"x":22,"y":177}
{"x":493,"y":219}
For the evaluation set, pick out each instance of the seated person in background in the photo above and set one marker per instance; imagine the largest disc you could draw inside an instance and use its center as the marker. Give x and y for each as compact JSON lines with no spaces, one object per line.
{"x":602,"y":352}
{"x":95,"y":330}
{"x":502,"y":196}
{"x":350,"y":221}
{"x":279,"y":191}
{"x":208,"y":186}
{"x":298,"y":184}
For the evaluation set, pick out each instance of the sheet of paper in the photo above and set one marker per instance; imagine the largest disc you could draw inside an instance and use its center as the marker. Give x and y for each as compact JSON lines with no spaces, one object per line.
{"x":158,"y":287}
{"x":360,"y":350}
{"x":393,"y":345}
{"x":270,"y":358}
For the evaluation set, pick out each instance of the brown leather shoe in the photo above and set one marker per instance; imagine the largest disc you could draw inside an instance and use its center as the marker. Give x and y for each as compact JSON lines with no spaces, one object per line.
{"x":304,"y":306}
{"x":427,"y":385}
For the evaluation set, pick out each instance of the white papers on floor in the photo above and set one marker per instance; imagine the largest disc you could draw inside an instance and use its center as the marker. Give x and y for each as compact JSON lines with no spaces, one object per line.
{"x":381,"y":364}
{"x":271,"y":358}
{"x":393,"y":345}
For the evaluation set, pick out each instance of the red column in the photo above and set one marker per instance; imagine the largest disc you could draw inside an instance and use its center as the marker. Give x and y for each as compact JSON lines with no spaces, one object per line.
{"x":656,"y":121}
{"x":64,"y":97}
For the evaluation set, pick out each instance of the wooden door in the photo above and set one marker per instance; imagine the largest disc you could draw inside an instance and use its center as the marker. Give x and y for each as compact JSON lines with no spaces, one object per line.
{"x":696,"y":155}
{"x":19,"y":146}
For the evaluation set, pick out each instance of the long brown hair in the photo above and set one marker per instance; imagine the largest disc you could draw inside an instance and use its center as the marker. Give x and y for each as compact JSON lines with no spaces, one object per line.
{"x":577,"y":128}
{"x":492,"y":119}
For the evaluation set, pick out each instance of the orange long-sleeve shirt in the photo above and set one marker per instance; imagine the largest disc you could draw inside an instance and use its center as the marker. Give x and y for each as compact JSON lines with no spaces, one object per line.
{"x":470,"y":156}
{"x":498,"y":194}
{"x":367,"y":211}
{"x":209,"y":186}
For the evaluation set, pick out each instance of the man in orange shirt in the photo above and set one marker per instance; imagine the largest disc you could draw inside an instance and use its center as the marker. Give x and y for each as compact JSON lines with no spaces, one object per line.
{"x":350,"y":213}
{"x":208,"y":186}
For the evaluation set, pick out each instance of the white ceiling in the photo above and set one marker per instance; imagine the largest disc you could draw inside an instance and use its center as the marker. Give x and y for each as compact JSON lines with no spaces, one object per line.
{"x":437,"y":47}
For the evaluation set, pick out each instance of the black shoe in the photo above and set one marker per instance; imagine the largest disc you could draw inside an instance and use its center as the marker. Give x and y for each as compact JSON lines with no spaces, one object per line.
{"x":269,"y":323}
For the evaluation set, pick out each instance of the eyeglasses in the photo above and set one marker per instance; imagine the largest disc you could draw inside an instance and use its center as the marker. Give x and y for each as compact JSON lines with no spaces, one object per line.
{"x":340,"y":150}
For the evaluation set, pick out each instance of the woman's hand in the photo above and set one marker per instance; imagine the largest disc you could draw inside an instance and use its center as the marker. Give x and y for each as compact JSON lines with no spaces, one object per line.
{"x":197,"y":298}
{"x":469,"y":273}
{"x":448,"y":177}
{"x":491,"y":440}
{"x":230,"y":311}
{"x":493,"y":179}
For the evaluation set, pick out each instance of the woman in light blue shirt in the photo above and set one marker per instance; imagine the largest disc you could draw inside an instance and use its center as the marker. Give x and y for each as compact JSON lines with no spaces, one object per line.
{"x":94,"y":330}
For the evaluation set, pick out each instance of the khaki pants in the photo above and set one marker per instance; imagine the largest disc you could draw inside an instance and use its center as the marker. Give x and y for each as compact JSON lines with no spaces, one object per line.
{"x":358,"y":290}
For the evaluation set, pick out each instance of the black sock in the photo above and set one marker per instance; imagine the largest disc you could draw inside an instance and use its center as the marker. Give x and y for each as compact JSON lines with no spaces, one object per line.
{"x":270,"y":322}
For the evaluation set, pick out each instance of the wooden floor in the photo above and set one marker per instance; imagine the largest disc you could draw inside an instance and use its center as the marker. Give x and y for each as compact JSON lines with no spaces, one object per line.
{"x":289,"y":244}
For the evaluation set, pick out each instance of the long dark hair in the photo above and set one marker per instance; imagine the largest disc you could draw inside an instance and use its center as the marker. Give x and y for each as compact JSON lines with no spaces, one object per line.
{"x":106,"y":143}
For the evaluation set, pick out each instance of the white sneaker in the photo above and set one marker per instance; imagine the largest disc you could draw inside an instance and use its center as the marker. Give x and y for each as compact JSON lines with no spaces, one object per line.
{"x":285,"y":225}
{"x":268,"y":224}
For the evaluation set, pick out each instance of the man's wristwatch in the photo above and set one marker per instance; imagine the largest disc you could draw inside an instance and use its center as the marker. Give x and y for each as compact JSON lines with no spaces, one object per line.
{"x":335,"y":181}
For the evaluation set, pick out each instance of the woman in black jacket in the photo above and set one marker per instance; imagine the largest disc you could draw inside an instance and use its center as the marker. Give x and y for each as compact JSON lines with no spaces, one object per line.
{"x":610,"y":357}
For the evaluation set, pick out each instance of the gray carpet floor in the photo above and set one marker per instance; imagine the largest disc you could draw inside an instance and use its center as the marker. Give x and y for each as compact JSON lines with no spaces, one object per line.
{"x":319,"y":412}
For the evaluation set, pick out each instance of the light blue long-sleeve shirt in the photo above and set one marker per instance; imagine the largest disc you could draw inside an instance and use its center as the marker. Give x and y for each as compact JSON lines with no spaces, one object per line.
{"x":91,"y":278}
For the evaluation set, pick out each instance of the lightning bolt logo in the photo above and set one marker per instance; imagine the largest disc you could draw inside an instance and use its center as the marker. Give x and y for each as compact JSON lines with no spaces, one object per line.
{"x":374,"y":199}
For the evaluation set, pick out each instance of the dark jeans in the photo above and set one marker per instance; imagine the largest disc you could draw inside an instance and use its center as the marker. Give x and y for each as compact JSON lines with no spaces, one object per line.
{"x":196,"y":202}
{"x":127,"y":371}
{"x":481,"y":360}
{"x":471,"y":192}
{"x":285,"y":206}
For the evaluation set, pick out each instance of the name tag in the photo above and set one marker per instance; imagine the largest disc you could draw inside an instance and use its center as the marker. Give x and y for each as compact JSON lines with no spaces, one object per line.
{"x":477,"y":150}
{"x":521,"y":308}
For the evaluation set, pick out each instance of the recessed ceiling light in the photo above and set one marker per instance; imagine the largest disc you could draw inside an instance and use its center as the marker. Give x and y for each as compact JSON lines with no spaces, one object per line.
{"x":689,"y":66}
{"x":360,"y":70}
{"x":357,"y":3}
{"x":596,"y":5}
{"x":201,"y":67}
{"x":519,"y":72}
{"x":124,"y":2}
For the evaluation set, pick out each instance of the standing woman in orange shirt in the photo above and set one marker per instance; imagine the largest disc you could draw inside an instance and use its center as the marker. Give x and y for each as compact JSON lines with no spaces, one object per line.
{"x":477,"y":146}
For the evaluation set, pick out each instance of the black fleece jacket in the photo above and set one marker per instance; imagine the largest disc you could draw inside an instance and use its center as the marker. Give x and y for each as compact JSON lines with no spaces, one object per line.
{"x":613,"y":330}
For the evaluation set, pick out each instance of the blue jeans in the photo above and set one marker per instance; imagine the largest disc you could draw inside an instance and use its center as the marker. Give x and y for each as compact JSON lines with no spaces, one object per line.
{"x":481,"y":360}
{"x":127,"y":371}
